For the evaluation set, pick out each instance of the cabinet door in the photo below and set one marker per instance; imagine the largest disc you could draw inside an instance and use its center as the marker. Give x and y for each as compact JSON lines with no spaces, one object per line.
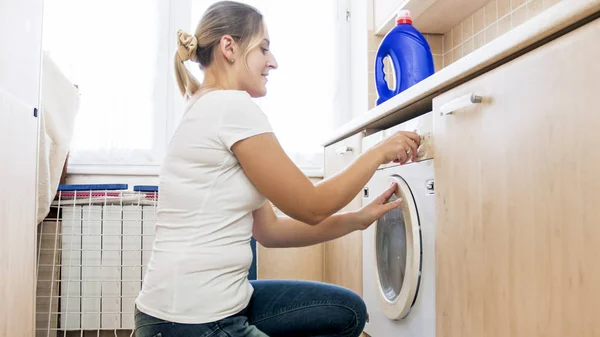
{"x":18,"y":153}
{"x":343,"y":256}
{"x":518,"y":216}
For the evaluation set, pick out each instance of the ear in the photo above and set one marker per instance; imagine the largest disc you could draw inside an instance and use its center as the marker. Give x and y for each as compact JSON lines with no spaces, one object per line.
{"x":228,"y":46}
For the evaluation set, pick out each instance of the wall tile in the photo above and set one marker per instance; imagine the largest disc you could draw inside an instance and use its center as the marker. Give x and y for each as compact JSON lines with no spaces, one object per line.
{"x":372,"y":89}
{"x":491,"y":33}
{"x":479,"y":21}
{"x":503,"y":8}
{"x":550,"y":3}
{"x":372,"y":100}
{"x":436,"y":43}
{"x":519,"y":16}
{"x":468,"y":47}
{"x":534,"y":8}
{"x":467,"y":28}
{"x":491,"y":13}
{"x":371,"y":58}
{"x":448,"y":59}
{"x":448,"y":45}
{"x":374,"y":41}
{"x":479,"y":40}
{"x":504,"y":25}
{"x":457,"y":36}
{"x":457,"y":54}
{"x":517,"y":3}
{"x":438,"y":62}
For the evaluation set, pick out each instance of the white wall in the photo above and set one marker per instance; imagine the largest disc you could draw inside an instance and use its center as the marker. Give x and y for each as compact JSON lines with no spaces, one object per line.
{"x":20,"y":48}
{"x":359,"y":56}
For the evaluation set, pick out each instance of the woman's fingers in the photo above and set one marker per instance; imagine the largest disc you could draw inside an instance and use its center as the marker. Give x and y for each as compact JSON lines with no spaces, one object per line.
{"x":413,"y":136}
{"x":413,"y":148}
{"x":390,"y":206}
{"x":407,"y":146}
{"x":383,"y":197}
{"x":402,"y":156}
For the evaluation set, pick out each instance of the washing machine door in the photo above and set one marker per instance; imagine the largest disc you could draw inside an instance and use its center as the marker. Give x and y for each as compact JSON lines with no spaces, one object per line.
{"x":397,"y":244}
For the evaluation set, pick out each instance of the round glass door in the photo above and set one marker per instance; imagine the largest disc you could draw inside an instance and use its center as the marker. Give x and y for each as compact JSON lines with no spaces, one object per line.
{"x":390,"y":245}
{"x":398,"y":254}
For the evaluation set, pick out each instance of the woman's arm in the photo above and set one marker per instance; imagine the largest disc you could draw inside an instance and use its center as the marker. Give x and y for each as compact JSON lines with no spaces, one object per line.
{"x":282,"y":232}
{"x":277,"y":177}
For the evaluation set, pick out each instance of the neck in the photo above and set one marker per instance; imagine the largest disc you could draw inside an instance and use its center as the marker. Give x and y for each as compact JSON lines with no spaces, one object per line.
{"x":216,"y":78}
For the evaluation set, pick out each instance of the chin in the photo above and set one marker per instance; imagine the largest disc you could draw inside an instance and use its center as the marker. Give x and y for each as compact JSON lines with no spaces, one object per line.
{"x":257,"y":93}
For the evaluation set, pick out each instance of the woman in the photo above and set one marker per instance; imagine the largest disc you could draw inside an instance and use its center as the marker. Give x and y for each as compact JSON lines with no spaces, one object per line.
{"x":222,"y":166}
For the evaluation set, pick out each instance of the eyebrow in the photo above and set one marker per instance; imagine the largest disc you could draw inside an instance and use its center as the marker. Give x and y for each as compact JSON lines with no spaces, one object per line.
{"x":267,"y":41}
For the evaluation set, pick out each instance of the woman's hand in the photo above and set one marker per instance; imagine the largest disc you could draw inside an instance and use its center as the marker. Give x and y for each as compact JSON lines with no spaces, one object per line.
{"x":376,"y":209}
{"x":399,"y":148}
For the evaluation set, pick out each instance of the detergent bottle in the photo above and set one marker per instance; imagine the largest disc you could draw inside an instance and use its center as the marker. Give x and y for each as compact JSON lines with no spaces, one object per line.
{"x":410,"y":55}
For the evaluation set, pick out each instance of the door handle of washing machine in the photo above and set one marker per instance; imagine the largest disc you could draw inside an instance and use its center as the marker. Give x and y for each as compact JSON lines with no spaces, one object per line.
{"x":459,"y":103}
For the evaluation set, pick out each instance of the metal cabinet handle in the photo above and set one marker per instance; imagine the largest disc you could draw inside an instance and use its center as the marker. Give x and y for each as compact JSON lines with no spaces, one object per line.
{"x":343,"y":150}
{"x":459,"y":103}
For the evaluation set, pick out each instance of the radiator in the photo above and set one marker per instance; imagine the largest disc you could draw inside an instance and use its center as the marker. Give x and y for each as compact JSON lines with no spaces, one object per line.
{"x":93,"y":249}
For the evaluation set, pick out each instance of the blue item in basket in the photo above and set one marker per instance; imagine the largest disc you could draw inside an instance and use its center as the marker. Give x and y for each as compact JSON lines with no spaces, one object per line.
{"x":410,"y":55}
{"x":145,"y":188}
{"x":93,"y":187}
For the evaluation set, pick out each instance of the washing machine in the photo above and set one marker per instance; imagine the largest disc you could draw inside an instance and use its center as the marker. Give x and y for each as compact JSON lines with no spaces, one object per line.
{"x":399,"y":248}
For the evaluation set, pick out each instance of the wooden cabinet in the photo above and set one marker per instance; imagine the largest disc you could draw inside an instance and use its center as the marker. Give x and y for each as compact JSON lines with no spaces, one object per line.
{"x":518,"y":220}
{"x":304,"y":263}
{"x":343,"y":257}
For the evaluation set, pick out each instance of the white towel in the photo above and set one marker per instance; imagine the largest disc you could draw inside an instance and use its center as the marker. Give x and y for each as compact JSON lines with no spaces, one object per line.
{"x":59,"y":106}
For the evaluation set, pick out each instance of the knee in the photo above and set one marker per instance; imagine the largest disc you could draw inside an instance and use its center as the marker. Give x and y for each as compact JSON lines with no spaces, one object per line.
{"x":357,"y":317}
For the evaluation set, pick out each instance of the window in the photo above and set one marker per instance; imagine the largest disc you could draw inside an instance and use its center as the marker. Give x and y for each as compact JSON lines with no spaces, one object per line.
{"x":120,"y":56}
{"x":117,"y":53}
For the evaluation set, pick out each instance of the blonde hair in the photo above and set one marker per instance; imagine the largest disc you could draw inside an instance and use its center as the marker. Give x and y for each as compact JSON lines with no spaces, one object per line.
{"x":242,"y":22}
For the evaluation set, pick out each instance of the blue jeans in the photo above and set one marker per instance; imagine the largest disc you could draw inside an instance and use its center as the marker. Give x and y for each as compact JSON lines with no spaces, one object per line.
{"x":277,"y":308}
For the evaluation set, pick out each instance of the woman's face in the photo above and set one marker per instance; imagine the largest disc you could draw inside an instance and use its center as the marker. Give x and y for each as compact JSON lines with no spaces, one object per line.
{"x":253,"y":79}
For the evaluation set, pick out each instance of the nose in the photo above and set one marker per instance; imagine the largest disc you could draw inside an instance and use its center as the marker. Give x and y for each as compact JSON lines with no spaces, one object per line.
{"x":272,"y":63}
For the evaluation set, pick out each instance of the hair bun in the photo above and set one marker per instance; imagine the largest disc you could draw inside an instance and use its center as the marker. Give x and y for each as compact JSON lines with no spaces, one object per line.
{"x":186,"y":46}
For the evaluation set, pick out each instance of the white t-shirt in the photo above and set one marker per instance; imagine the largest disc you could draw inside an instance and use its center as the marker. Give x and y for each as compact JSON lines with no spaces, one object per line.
{"x":198,"y":269}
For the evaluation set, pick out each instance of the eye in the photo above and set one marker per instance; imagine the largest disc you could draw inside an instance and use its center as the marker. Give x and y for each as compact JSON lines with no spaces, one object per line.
{"x":264,"y":50}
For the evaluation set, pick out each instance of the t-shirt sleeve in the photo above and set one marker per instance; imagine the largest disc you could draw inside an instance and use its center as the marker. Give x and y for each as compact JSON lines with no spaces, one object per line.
{"x":242,"y":119}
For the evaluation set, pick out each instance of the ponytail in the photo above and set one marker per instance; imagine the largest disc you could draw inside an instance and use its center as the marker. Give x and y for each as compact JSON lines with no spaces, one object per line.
{"x":186,"y":50}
